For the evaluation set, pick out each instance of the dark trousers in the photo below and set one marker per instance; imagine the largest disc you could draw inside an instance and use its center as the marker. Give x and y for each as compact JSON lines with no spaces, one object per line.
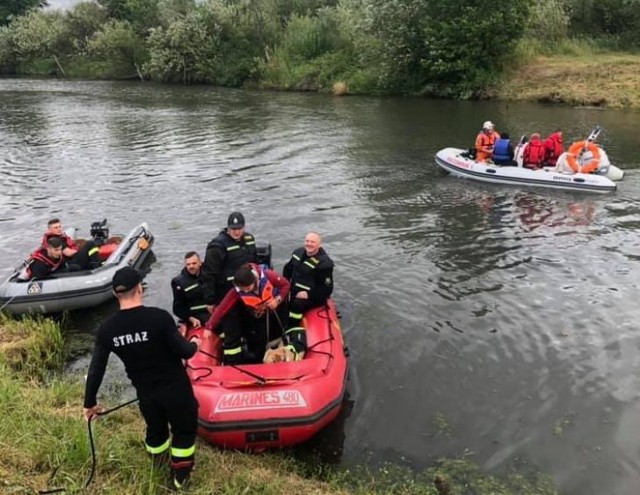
{"x":243,"y":329}
{"x":297,"y":309}
{"x":170,"y":409}
{"x":87,"y":257}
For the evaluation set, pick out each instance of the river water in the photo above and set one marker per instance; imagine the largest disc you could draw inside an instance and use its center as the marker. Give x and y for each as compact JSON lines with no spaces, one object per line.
{"x":485,"y":319}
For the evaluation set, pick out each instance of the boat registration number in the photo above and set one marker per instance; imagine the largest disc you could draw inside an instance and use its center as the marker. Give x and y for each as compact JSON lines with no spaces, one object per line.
{"x":247,"y":401}
{"x":460,"y":163}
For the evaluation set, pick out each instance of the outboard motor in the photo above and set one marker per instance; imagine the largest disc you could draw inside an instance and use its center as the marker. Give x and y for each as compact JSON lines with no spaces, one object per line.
{"x":264,"y":254}
{"x":100,"y":232}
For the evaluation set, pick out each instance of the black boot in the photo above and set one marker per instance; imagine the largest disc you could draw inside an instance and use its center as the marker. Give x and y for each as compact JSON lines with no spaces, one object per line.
{"x":181,"y":472}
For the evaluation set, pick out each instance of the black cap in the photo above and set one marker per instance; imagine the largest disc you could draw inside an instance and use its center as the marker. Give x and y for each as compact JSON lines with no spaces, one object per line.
{"x":125,"y":279}
{"x":236,"y":220}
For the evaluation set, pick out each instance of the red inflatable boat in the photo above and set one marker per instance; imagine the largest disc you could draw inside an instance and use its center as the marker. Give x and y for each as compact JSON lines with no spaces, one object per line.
{"x":259,"y":406}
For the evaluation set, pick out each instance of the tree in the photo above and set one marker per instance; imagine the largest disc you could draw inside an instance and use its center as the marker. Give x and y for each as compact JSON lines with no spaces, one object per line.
{"x":9,"y":9}
{"x":185,"y":51}
{"x":41,"y":34}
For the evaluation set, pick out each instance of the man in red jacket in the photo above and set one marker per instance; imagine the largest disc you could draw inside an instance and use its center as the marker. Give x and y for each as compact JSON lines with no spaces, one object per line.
{"x":251,"y":311}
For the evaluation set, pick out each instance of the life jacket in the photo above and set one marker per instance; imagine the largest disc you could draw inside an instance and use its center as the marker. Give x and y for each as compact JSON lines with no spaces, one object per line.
{"x":237,"y":253}
{"x":263,"y":294}
{"x":501,"y":150}
{"x":534,"y":153}
{"x":484,"y":144}
{"x":303,"y":274}
{"x":553,"y":148}
{"x":193,"y":292}
{"x":41,"y":255}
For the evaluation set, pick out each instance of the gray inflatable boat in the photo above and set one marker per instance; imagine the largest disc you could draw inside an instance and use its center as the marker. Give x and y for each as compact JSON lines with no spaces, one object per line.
{"x":80,"y":289}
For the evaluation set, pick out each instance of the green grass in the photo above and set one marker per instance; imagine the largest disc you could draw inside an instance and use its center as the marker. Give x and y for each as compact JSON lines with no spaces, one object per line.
{"x":574,"y":72}
{"x":44,"y":444}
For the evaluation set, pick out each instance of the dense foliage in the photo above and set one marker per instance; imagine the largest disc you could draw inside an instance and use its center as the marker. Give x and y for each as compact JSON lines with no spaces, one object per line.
{"x":10,"y":9}
{"x":452,"y":48}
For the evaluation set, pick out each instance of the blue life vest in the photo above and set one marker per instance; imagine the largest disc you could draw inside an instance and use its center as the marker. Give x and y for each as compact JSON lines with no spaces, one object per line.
{"x":501,"y":150}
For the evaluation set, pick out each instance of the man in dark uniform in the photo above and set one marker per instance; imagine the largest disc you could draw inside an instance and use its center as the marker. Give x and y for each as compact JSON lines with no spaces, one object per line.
{"x":228,"y":251}
{"x":148,"y":343}
{"x":310,"y":271}
{"x":188,"y":296}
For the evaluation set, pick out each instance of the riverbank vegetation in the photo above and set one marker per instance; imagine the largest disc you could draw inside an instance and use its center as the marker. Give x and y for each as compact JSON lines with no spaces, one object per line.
{"x":45,"y":444}
{"x":444,"y":48}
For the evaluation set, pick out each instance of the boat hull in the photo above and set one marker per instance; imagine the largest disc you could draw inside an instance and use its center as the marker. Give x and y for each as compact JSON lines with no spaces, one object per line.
{"x":453,"y":161}
{"x":286,"y":405}
{"x":75,"y":290}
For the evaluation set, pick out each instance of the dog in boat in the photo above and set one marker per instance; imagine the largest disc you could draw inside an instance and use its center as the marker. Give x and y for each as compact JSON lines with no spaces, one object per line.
{"x":281,"y":354}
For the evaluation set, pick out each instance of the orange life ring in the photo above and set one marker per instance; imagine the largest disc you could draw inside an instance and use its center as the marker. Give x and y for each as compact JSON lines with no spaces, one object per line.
{"x":576,"y":149}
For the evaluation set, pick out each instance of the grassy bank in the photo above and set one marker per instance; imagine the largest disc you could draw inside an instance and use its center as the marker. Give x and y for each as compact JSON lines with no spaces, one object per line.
{"x":576,"y":73}
{"x":44,"y":444}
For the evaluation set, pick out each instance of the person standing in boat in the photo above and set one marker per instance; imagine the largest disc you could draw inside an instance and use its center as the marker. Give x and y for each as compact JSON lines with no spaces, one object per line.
{"x":533,"y":154}
{"x":188,"y":295}
{"x":228,"y":251}
{"x":503,"y":150}
{"x":310,"y":272}
{"x":252,"y":311}
{"x":485,"y":142}
{"x":83,"y":258}
{"x":148,"y":343}
{"x":553,"y":148}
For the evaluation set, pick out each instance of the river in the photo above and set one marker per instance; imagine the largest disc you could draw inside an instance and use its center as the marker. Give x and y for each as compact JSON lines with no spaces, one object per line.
{"x":486,"y":319}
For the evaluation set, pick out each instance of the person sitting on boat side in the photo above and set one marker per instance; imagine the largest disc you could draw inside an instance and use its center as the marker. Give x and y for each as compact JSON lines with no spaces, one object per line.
{"x":46,"y":260}
{"x":83,"y":258}
{"x":553,"y":148}
{"x":533,"y":154}
{"x":226,"y":252}
{"x":252,"y":311}
{"x":310,"y":272}
{"x":503,"y":150}
{"x":188,"y":295}
{"x":149,"y":345}
{"x":485,"y":142}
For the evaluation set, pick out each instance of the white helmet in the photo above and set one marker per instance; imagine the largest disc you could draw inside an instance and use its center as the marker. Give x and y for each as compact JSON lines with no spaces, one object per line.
{"x":488,"y":125}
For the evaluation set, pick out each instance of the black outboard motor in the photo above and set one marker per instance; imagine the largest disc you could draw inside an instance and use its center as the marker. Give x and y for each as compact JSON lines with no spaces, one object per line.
{"x":100,"y":232}
{"x":264,"y":254}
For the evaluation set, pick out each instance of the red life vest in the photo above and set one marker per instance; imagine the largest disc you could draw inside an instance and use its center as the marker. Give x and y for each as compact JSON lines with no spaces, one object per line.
{"x":264,"y":293}
{"x":41,"y":255}
{"x":553,"y":148}
{"x":534,"y":153}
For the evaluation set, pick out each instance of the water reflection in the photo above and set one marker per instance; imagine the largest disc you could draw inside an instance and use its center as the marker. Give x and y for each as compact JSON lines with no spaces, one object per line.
{"x":507,"y":314}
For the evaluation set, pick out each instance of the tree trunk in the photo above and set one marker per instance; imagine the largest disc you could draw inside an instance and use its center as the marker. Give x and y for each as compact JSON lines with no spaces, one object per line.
{"x":59,"y":66}
{"x":138,"y":71}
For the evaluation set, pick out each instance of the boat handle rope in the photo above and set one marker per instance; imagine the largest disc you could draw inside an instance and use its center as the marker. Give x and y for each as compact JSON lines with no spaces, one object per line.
{"x":92,"y":447}
{"x":260,"y":379}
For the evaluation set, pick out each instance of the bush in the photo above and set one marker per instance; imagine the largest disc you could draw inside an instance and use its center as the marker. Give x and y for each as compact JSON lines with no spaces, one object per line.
{"x":33,"y":347}
{"x":548,"y":22}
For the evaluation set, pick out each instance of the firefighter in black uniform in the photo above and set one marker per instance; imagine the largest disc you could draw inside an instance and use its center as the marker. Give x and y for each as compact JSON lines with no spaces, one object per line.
{"x":148,"y":343}
{"x":310,"y":271}
{"x":188,"y":295}
{"x":228,"y":251}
